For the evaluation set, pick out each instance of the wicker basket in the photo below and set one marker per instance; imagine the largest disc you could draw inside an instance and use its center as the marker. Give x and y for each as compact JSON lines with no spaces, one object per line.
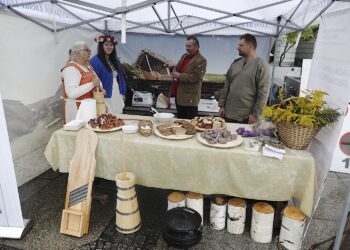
{"x":145,"y":127}
{"x":296,"y":136}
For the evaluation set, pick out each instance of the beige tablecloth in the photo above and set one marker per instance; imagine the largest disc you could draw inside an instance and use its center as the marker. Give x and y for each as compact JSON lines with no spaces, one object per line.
{"x":189,"y":165}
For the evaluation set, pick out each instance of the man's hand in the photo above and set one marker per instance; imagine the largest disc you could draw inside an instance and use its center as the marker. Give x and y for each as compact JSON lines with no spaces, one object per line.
{"x":175,"y":75}
{"x":252,"y":119}
{"x":222,"y":111}
{"x":96,"y":81}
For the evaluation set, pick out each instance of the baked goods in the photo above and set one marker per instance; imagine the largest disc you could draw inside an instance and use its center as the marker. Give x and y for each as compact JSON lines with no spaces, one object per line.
{"x":145,"y":127}
{"x":106,"y":122}
{"x":218,"y":136}
{"x":208,"y":122}
{"x":190,"y":129}
{"x":179,"y":127}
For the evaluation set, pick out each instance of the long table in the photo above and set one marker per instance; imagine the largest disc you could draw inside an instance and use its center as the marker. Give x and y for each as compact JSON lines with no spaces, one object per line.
{"x":188,"y":165}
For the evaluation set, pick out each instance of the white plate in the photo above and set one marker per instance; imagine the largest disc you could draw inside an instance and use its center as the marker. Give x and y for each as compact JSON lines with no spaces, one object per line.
{"x":172,"y":137}
{"x":230,"y":144}
{"x":103,"y":130}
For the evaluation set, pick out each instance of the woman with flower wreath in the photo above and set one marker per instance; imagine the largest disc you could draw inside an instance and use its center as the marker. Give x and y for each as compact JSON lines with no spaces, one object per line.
{"x":109,"y":70}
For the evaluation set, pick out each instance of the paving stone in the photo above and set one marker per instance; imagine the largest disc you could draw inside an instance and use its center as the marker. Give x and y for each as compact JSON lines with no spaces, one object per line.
{"x":3,"y":247}
{"x":26,"y":191}
{"x":46,"y":208}
{"x":49,"y":174}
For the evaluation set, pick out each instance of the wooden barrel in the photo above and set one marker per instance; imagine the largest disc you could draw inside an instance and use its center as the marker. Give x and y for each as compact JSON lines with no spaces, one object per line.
{"x":262,"y":222}
{"x":100,"y":102}
{"x":128,"y":218}
{"x":236,"y":214}
{"x":292,"y":229}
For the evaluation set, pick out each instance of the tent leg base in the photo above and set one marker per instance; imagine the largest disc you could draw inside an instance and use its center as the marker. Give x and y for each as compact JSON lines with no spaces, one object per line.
{"x":16,"y":232}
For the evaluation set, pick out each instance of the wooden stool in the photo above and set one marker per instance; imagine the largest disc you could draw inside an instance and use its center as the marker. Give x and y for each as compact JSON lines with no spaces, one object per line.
{"x":218,"y":208}
{"x":176,"y":199}
{"x":236,"y":214}
{"x":262,"y":222}
{"x":292,"y":229}
{"x":195,"y":201}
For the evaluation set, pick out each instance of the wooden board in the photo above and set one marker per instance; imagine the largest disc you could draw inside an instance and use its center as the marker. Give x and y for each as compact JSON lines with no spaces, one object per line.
{"x":76,"y":215}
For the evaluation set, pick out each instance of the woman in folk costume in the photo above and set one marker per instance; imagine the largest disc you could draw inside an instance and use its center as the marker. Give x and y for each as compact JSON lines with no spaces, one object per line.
{"x":78,"y":79}
{"x":109,"y":70}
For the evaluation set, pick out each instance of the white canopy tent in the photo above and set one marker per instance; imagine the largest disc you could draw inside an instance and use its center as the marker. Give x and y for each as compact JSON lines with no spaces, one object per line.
{"x":260,"y":17}
{"x":33,"y":54}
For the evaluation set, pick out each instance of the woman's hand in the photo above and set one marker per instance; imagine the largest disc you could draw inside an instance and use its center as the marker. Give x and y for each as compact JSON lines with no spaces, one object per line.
{"x":96,"y":81}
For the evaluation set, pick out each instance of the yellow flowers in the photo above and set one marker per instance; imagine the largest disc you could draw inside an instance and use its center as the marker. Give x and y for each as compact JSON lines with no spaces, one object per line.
{"x":309,"y":110}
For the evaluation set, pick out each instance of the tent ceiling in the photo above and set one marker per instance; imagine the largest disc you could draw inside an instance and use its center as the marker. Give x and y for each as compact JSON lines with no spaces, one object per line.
{"x":174,"y":16}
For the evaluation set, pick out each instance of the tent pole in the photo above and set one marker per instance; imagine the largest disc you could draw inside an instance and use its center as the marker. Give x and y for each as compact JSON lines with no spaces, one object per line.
{"x":290,"y":17}
{"x":23,"y":4}
{"x":274,"y":60}
{"x":114,"y":17}
{"x":232,"y":26}
{"x":169,"y":13}
{"x":140,"y":25}
{"x":90,"y":5}
{"x":82,"y":23}
{"x":52,"y":5}
{"x":106,"y":27}
{"x":319,"y":14}
{"x":228,"y":15}
{"x":26,"y":17}
{"x":92,"y":26}
{"x":178,"y":20}
{"x":160,"y":19}
{"x":134,"y":7}
{"x":123,"y":25}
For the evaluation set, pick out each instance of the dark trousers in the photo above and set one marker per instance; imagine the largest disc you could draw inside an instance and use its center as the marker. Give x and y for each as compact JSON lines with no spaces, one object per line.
{"x":245,"y":121}
{"x":186,"y":112}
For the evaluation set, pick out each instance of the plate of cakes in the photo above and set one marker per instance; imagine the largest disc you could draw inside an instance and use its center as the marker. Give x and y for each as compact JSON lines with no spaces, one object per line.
{"x":178,"y":130}
{"x":208,"y":122}
{"x":105,"y":123}
{"x":219,"y":138}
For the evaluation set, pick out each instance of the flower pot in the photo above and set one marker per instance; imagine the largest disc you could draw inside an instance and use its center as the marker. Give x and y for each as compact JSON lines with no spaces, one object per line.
{"x":296,"y":136}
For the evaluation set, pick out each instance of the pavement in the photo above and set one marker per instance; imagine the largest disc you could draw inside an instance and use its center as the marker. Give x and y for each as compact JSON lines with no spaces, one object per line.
{"x":42,"y":200}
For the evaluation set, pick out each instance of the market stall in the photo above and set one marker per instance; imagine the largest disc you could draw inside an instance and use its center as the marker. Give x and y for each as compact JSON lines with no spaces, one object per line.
{"x":189,"y":165}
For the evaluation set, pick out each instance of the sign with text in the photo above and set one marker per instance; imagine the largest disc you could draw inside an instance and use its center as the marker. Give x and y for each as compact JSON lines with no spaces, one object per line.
{"x":341,"y":156}
{"x":330,"y":72}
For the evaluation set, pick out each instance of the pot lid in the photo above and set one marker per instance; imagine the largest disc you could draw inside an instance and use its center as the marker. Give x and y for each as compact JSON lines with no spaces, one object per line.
{"x":182,"y":220}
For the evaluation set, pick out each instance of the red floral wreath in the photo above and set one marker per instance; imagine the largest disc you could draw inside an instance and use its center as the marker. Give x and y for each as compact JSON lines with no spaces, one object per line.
{"x":106,"y":38}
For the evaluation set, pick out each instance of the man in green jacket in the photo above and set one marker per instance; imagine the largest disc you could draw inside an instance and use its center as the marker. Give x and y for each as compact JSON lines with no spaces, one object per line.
{"x":187,"y":80}
{"x":246,"y":86}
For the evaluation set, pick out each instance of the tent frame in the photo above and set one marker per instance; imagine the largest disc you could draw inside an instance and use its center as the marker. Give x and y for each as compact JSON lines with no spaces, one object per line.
{"x":111,"y":13}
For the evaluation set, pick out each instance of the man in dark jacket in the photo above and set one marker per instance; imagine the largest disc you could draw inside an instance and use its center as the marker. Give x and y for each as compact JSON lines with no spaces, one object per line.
{"x":187,"y":83}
